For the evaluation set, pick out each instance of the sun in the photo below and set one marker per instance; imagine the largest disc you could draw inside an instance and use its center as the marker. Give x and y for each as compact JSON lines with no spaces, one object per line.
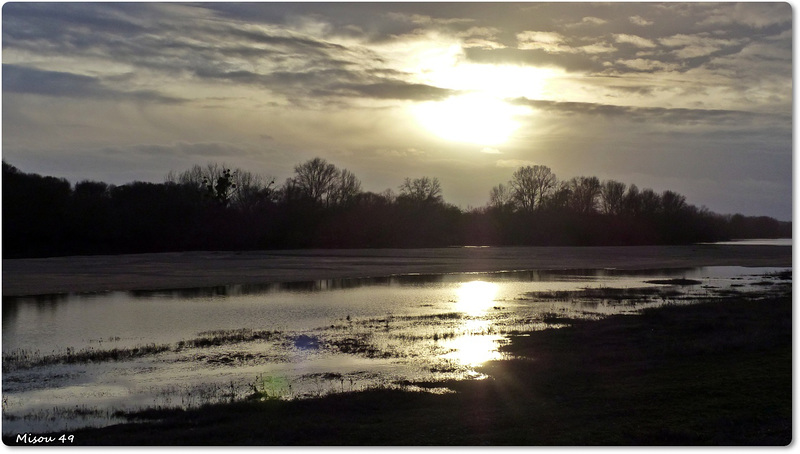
{"x":476,"y":118}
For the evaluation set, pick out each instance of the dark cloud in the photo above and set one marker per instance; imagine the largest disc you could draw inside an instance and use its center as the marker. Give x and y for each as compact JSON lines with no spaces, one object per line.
{"x":20,"y":79}
{"x":654,"y":114}
{"x":34,"y":20}
{"x":333,"y":83}
{"x":394,"y":90}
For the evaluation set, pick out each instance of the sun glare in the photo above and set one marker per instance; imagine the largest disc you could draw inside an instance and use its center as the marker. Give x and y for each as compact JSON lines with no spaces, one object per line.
{"x":476,"y":297}
{"x":474,"y":118}
{"x":473,"y":350}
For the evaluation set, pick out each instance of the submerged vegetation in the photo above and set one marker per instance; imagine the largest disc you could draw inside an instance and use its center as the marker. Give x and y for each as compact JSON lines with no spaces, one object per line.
{"x":322,"y":206}
{"x":24,"y":359}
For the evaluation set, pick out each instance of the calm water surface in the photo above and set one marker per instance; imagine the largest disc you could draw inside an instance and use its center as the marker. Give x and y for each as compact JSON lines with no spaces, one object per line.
{"x":294,"y":340}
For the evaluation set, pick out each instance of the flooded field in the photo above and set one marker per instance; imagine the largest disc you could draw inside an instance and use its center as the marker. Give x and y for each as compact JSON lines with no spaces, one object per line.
{"x":74,"y":360}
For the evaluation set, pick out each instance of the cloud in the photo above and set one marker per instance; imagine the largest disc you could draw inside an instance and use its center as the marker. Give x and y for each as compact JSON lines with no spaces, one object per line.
{"x":754,"y":14}
{"x":640,"y":21}
{"x":597,"y":48}
{"x":514,"y":163}
{"x":21,"y":79}
{"x":637,"y":41}
{"x":393,"y":90}
{"x":551,"y":42}
{"x":647,"y":65}
{"x":183,"y":149}
{"x":653,"y":115}
{"x":593,"y":20}
{"x":692,"y":46}
{"x":421,"y":19}
{"x":333,"y":83}
{"x":482,"y":37}
{"x":490,"y":150}
{"x":568,"y":61}
{"x":393,"y":153}
{"x":588,"y":20}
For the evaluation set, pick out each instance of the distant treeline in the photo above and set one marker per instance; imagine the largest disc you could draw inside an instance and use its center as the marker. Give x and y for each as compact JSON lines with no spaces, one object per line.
{"x":322,"y":206}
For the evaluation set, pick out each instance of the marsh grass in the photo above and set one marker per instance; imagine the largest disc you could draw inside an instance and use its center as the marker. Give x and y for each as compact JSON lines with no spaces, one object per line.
{"x":677,"y":281}
{"x":359,"y":344}
{"x":23,"y":359}
{"x":26,"y":359}
{"x":222,"y":337}
{"x":611,"y":295}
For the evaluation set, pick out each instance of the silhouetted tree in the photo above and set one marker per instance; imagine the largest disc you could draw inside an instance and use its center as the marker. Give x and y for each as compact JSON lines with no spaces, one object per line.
{"x":421,"y":190}
{"x":672,"y":203}
{"x":501,"y":198}
{"x":315,"y":179}
{"x":252,"y":192}
{"x":46,"y":216}
{"x":649,"y":202}
{"x":559,"y":199}
{"x":222,"y":188}
{"x":631,"y":203}
{"x":531,"y":185}
{"x":35,"y":212}
{"x":345,"y":188}
{"x":612,"y":196}
{"x":584,"y":192}
{"x":238,"y":188}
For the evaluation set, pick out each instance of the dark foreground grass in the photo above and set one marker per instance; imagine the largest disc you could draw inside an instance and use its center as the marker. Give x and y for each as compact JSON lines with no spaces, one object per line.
{"x":716,"y":373}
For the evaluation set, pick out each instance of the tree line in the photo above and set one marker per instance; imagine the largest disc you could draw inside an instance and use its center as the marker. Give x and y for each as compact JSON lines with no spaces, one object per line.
{"x":213,"y":207}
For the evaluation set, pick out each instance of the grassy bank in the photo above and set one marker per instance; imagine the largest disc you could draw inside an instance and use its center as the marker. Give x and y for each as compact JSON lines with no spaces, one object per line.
{"x":716,"y":373}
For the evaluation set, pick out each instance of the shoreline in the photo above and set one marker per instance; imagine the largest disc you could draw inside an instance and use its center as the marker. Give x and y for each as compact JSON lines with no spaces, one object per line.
{"x":173,"y":270}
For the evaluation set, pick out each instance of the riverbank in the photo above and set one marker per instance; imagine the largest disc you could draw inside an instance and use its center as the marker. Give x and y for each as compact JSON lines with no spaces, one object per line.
{"x":204,"y":269}
{"x":714,"y":373}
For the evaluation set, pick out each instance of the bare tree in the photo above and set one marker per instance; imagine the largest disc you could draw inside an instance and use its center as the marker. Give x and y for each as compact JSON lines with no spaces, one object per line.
{"x":650,"y":202}
{"x":252,"y":190}
{"x":315,"y":178}
{"x":501,"y":197}
{"x":235,"y":187}
{"x":612,"y":195}
{"x":531,"y":185}
{"x":672,"y":202}
{"x":584,"y":192}
{"x":323,"y":183}
{"x":345,"y":188}
{"x":631,"y":203}
{"x":423,"y":189}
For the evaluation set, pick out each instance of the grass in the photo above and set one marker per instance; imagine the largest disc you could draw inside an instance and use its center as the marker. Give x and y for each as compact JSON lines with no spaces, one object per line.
{"x":715,"y":373}
{"x":25,"y":359}
{"x":611,"y":294}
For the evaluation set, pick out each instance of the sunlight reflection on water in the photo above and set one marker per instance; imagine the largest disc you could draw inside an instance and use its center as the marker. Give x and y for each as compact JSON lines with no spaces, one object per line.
{"x":474,"y":350}
{"x":476,"y":297}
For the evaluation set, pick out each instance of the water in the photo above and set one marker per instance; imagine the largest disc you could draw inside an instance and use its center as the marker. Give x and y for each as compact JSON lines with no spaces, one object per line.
{"x":759,"y":242}
{"x":73,"y":360}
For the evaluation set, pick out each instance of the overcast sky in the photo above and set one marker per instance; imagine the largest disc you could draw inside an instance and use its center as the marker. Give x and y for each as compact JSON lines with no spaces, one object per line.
{"x":691,"y":97}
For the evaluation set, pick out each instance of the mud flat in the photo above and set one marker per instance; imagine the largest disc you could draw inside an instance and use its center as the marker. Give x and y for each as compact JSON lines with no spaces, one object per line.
{"x":203,"y":269}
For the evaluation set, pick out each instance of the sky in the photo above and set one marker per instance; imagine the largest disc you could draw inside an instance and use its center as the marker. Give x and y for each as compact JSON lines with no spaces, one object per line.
{"x":690,"y":97}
